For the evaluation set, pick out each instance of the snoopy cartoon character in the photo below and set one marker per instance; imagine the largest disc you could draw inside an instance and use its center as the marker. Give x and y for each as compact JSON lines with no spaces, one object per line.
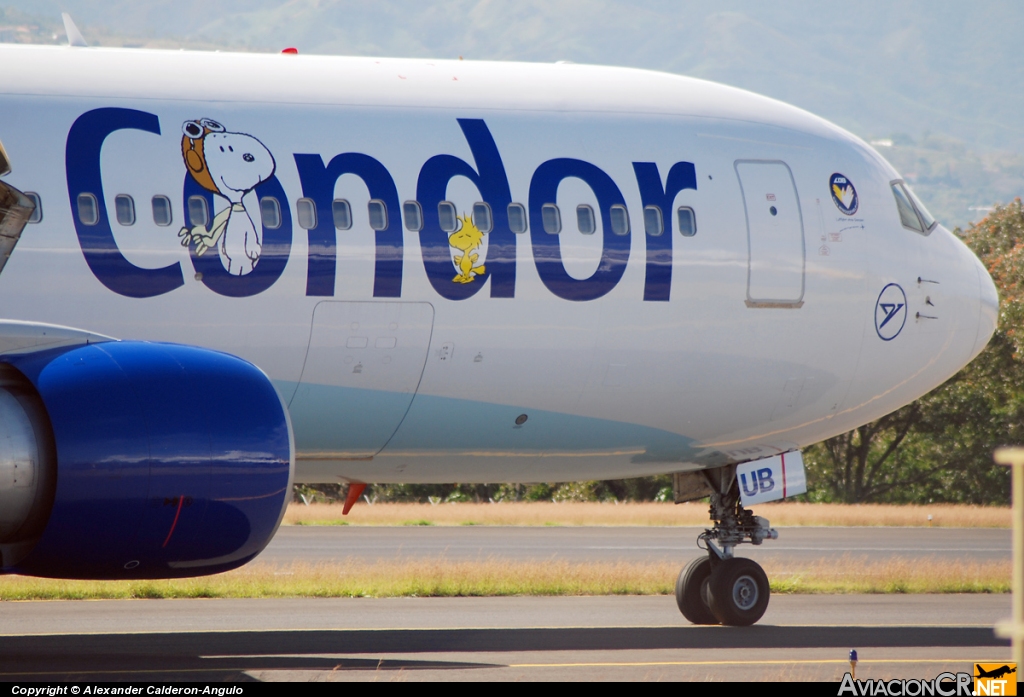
{"x":230,"y":165}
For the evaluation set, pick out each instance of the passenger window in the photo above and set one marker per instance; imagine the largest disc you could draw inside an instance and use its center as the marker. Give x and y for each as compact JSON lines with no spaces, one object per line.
{"x":270,"y":211}
{"x":162,"y":215}
{"x":198,"y":211}
{"x":585,"y":219}
{"x":447,"y":218}
{"x":620,"y":219}
{"x":907,"y":215}
{"x":926,"y":217}
{"x":37,"y":212}
{"x":306,"y":210}
{"x":378,"y":214}
{"x":551,"y":219}
{"x":687,"y":221}
{"x":342,"y":214}
{"x":88,"y":209}
{"x":517,"y":218}
{"x":413,"y":216}
{"x":124,"y":209}
{"x":482,"y":217}
{"x":654,"y":224}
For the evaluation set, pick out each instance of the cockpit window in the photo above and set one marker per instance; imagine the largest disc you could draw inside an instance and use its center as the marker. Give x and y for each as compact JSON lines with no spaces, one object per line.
{"x":926,"y":217}
{"x":908,"y":216}
{"x":913,"y":214}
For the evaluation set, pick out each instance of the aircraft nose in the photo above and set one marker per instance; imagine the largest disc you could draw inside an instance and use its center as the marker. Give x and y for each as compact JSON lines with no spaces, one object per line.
{"x":988,"y":315}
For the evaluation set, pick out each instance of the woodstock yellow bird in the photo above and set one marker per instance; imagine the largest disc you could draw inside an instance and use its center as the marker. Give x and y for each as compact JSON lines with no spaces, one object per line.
{"x":467,"y":239}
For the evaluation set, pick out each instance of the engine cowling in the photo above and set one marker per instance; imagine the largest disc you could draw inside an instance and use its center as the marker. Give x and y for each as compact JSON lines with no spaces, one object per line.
{"x":127,"y":460}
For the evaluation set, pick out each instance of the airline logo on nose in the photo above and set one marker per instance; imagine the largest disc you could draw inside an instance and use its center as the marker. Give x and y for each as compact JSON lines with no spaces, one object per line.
{"x":844,"y":195}
{"x":890,"y":312}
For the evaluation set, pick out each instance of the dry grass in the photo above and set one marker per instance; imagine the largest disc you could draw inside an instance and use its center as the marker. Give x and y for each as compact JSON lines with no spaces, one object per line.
{"x":441,"y":577}
{"x":662,"y":514}
{"x":857,"y":574}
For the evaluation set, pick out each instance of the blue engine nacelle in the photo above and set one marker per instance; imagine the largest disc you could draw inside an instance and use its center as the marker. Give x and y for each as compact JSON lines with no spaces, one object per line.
{"x":124,"y":460}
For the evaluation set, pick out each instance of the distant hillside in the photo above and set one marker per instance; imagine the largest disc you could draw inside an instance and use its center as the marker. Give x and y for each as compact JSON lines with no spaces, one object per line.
{"x":940,"y":67}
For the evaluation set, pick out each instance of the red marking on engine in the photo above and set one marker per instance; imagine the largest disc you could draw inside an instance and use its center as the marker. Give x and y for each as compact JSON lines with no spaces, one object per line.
{"x":181,"y":501}
{"x":355,"y":490}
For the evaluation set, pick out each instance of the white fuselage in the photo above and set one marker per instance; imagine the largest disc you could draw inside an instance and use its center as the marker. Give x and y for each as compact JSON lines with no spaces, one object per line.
{"x":761,"y":335}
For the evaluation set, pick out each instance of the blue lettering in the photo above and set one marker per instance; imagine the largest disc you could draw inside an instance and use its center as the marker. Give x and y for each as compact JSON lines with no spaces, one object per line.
{"x":681,"y":176}
{"x":277,"y":246}
{"x":82,"y":160}
{"x":751,"y":490}
{"x":547,"y":252}
{"x":318,"y":184}
{"x":432,"y":188}
{"x":764,"y":480}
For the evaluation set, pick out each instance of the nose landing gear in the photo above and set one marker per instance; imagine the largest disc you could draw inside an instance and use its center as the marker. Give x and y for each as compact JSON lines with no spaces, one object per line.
{"x":721,"y":588}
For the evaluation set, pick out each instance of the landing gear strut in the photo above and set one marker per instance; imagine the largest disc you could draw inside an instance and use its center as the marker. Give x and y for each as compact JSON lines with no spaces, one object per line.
{"x":721,"y":588}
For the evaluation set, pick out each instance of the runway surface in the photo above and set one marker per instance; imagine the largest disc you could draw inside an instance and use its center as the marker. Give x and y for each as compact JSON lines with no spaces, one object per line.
{"x":562,"y":638}
{"x":325,"y":544}
{"x":405,"y":639}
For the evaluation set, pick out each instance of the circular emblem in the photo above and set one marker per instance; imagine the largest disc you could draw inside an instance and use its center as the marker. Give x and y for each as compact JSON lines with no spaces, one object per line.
{"x":843,"y":194}
{"x":890,"y":312}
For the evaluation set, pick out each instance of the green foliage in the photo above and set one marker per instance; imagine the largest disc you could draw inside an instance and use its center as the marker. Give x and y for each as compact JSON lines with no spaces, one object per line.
{"x":639,"y":489}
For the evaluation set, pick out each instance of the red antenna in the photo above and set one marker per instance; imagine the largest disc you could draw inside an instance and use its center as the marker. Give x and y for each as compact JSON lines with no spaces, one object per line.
{"x":291,"y":51}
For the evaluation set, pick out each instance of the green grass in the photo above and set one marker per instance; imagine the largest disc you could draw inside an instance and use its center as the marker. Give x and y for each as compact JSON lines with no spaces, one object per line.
{"x":444,"y":578}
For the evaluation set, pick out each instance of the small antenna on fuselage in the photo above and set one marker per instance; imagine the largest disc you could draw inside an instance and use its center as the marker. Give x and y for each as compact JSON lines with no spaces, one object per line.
{"x":75,"y":37}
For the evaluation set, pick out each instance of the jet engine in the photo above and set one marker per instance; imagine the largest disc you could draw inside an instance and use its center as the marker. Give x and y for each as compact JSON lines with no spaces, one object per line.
{"x":122,"y":460}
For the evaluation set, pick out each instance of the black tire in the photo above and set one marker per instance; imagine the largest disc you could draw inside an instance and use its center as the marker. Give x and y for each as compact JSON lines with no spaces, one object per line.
{"x":738,"y":592}
{"x":692,"y":592}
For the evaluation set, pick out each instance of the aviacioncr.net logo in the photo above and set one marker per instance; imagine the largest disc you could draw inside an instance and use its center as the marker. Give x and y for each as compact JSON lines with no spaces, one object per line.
{"x":943,"y":685}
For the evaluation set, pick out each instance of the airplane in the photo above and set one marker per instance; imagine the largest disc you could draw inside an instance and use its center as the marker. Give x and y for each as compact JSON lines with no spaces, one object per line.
{"x":227,"y":273}
{"x":995,"y":672}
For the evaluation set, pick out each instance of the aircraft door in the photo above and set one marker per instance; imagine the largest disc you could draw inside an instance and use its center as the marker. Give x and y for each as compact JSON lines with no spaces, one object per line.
{"x":362,"y":370}
{"x":775,"y":234}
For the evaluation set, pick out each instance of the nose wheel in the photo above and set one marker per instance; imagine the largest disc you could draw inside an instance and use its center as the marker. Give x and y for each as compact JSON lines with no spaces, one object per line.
{"x":734,"y":592}
{"x":738,"y":592}
{"x":720,"y":588}
{"x":692,"y":592}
